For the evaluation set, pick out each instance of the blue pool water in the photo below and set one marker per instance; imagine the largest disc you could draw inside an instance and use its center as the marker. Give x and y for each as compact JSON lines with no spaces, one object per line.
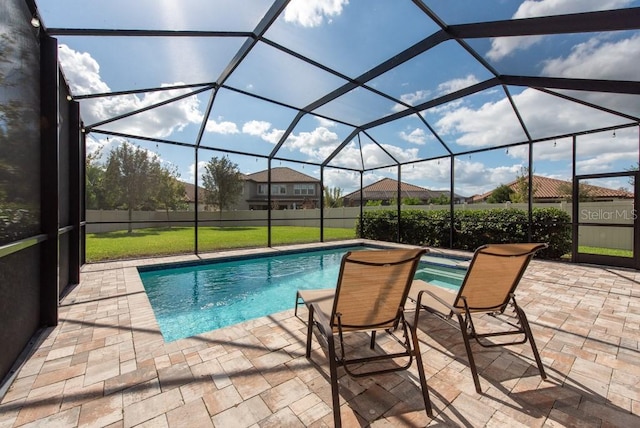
{"x":189,"y":300}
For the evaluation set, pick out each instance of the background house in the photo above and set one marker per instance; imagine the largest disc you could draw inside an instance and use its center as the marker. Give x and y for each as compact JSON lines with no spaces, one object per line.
{"x":547,"y":189}
{"x":290,"y":190}
{"x":386,"y":190}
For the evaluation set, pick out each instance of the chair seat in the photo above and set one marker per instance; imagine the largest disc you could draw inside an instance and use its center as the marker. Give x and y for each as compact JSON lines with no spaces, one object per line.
{"x":448,"y":296}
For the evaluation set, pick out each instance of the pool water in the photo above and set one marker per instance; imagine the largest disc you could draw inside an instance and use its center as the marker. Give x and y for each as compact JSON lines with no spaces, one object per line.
{"x":444,"y":271}
{"x":189,"y":300}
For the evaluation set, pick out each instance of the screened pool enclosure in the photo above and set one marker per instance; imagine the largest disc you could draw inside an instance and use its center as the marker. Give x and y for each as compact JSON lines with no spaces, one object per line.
{"x":447,"y":97}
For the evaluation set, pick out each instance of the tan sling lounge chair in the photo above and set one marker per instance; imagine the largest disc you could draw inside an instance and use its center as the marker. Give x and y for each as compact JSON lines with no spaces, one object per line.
{"x":488,"y":288}
{"x":370,"y":295}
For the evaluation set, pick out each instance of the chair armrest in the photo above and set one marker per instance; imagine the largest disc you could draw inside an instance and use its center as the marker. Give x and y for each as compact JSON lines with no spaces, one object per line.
{"x":438,"y":299}
{"x":320,"y":319}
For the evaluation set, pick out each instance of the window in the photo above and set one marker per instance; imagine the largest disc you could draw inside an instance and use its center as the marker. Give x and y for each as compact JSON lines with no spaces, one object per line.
{"x":304,"y":189}
{"x":276,"y":189}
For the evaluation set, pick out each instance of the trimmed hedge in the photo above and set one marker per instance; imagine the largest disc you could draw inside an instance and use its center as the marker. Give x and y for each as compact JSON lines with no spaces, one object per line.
{"x":473,"y":228}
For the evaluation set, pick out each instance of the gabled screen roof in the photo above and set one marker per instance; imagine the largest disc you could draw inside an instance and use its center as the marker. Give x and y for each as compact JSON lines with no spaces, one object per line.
{"x":325,"y":81}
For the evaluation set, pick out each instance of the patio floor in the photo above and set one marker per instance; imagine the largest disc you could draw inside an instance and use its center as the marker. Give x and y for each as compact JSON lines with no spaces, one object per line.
{"x":106,"y":364}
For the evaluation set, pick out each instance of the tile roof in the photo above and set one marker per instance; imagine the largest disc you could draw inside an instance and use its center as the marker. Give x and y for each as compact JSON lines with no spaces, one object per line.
{"x":281,"y":175}
{"x":386,"y":189}
{"x":552,"y":188}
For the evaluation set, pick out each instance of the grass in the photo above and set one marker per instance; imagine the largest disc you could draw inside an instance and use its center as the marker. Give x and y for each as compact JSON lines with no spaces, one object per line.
{"x":605,"y":251}
{"x":180,"y":240}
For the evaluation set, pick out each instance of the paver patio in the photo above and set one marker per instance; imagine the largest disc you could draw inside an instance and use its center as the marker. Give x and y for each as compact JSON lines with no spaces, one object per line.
{"x":106,"y":364}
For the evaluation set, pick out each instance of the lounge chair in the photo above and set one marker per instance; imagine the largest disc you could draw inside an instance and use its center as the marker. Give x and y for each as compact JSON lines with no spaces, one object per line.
{"x":370,"y":295}
{"x":488,"y":288}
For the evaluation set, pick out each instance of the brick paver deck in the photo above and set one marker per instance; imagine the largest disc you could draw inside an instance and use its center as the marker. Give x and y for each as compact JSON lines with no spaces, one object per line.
{"x":106,"y":364}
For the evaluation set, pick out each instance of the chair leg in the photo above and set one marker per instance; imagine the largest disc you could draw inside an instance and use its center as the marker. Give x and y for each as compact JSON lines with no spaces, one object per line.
{"x":527,"y":330}
{"x":309,"y":331}
{"x":373,"y":340}
{"x":467,"y":345}
{"x":423,"y":377}
{"x":333,"y":373}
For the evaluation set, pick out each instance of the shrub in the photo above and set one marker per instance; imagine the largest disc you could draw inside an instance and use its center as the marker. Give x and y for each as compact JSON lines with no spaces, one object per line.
{"x":473,"y":228}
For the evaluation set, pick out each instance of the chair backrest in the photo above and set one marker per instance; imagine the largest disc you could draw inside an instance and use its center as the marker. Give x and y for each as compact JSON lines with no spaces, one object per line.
{"x":494,"y":273}
{"x":372,"y":288}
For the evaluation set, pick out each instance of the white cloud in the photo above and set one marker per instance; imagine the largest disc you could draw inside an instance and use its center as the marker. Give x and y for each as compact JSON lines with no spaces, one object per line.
{"x":256,"y":127}
{"x":262,"y":129}
{"x":223,"y":127}
{"x":347,"y":181}
{"x":273,"y":136}
{"x":417,"y":136}
{"x":415,"y":97}
{"x":311,"y":13}
{"x":503,"y":46}
{"x":83,"y":74}
{"x":494,"y":123}
{"x":372,"y":156}
{"x":412,"y":99}
{"x":598,"y":59}
{"x":474,"y":178}
{"x":456,"y":84}
{"x":192,"y":172}
{"x":82,"y":71}
{"x":316,"y":144}
{"x":491,"y":124}
{"x":325,"y":122}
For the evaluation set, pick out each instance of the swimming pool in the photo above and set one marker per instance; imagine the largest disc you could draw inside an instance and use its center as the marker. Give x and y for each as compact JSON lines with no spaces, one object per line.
{"x":190,"y":299}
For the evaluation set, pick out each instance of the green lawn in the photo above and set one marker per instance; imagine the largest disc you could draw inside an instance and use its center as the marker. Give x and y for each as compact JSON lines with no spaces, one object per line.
{"x":605,"y":251}
{"x":176,"y":240}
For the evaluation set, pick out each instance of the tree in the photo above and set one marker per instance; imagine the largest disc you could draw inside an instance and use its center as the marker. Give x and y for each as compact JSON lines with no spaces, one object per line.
{"x":131,"y":178}
{"x":633,"y":168}
{"x":501,"y":194}
{"x":411,"y":201}
{"x":521,"y":192}
{"x":223,"y":183}
{"x":333,"y":197}
{"x":170,"y":191}
{"x":443,"y":199}
{"x":94,"y":182}
{"x":584,"y":191}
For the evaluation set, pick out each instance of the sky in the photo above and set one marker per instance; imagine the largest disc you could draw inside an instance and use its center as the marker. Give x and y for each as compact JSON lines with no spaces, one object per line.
{"x":351,"y":37}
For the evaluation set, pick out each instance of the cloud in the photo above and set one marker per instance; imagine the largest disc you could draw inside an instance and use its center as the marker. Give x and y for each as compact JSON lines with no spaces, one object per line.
{"x":256,"y":127}
{"x":417,"y":136}
{"x":223,"y":127}
{"x":372,"y":156}
{"x":325,"y":122}
{"x":474,"y":178}
{"x":83,"y":75}
{"x":311,"y":13}
{"x":347,"y":181}
{"x":504,"y":46}
{"x":82,"y":71}
{"x":598,"y":59}
{"x":262,"y":129}
{"x":491,"y":124}
{"x":190,"y":178}
{"x":457,"y":84}
{"x":317,"y":144}
{"x":494,"y":123}
{"x":412,"y":98}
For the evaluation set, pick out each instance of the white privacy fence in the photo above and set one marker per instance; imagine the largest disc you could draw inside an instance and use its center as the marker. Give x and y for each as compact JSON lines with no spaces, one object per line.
{"x":601,"y":213}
